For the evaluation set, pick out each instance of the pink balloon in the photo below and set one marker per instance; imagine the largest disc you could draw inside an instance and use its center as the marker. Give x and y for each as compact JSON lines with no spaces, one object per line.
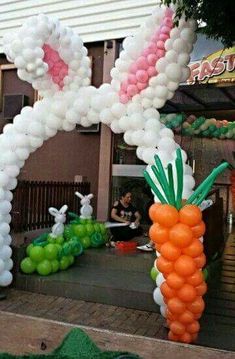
{"x":147,"y":52}
{"x":152,"y":71}
{"x":168,"y":12}
{"x":160,"y":53}
{"x":168,"y":22}
{"x":124,"y":98}
{"x":141,"y":86}
{"x":152,"y":59}
{"x":141,"y":76}
{"x":132,"y":90}
{"x":163,"y":37}
{"x":142,"y":63}
{"x":160,"y":45}
{"x":153,"y":47}
{"x":133,"y":68}
{"x":132,"y":79}
{"x":165,"y":30}
{"x":124,"y":85}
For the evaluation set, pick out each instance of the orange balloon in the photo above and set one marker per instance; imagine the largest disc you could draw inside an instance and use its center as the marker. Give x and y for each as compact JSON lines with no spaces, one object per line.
{"x":190,"y":215}
{"x":195,"y":279}
{"x":171,"y":316}
{"x":197,"y":306}
{"x":152,"y":211}
{"x":201,"y":289}
{"x":181,"y":235}
{"x":193,"y":327}
{"x":170,"y":252}
{"x":158,"y":247}
{"x":185,"y":338}
{"x":176,"y":306}
{"x":199,"y":230}
{"x":194,"y":249}
{"x":174,"y":280}
{"x":186,"y":317}
{"x":166,"y":215}
{"x":185,"y":266}
{"x":158,"y":234}
{"x":177,"y":328}
{"x":197,"y":316}
{"x":187,"y":293}
{"x":200,"y":260}
{"x":173,"y":337}
{"x":167,"y":292}
{"x":163,"y":265}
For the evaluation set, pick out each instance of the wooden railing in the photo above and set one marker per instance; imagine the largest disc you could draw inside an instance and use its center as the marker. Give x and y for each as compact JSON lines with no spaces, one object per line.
{"x":33,"y":198}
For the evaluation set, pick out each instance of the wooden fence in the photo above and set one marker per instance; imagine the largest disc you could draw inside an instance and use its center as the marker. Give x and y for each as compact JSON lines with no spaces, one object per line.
{"x":33,"y":198}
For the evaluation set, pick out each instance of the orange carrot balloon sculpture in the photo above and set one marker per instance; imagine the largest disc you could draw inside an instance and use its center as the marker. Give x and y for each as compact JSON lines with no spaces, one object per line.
{"x":176,"y":232}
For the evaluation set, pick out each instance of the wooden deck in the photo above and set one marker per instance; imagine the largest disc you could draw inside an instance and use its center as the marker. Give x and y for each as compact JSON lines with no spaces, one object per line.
{"x":24,"y":335}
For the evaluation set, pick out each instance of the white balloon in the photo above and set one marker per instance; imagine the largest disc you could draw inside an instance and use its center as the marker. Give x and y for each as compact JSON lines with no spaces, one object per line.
{"x":189,"y":182}
{"x":8,"y":264}
{"x":158,"y":297}
{"x":150,"y":139}
{"x":136,"y":121}
{"x":160,"y":279}
{"x":173,"y":71}
{"x":2,"y":265}
{"x":166,"y":144}
{"x":163,"y":310}
{"x":128,"y":137}
{"x":151,"y":113}
{"x":5,"y":207}
{"x":5,"y":278}
{"x":166,"y":132}
{"x":137,"y":137}
{"x":148,"y":155}
{"x":153,"y":125}
{"x":5,"y":252}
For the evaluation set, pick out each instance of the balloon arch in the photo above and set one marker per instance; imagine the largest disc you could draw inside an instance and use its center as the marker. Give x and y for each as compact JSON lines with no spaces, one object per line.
{"x":149,"y":69}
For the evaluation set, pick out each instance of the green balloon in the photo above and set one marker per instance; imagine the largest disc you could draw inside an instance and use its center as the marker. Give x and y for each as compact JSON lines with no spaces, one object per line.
{"x":59,"y":239}
{"x":37,"y":254}
{"x":154,"y":273}
{"x":79,"y":230}
{"x":51,"y":239}
{"x":44,"y":267}
{"x":51,"y":251}
{"x":64,"y":262}
{"x":102,"y":228}
{"x":86,"y":242}
{"x":55,"y":265}
{"x":71,"y":259}
{"x":28,"y":248}
{"x":97,"y":240}
{"x":97,"y":227}
{"x":68,"y":232}
{"x":27,"y":265}
{"x":90,"y":228}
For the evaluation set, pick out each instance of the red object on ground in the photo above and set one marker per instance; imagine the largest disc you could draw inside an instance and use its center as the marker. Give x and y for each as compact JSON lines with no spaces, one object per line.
{"x":126,"y":246}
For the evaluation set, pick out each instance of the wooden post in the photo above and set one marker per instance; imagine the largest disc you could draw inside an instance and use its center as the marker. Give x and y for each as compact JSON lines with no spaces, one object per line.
{"x":105,"y":157}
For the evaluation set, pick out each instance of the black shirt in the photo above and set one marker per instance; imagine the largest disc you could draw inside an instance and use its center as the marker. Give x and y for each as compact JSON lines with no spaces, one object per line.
{"x":126,"y":213}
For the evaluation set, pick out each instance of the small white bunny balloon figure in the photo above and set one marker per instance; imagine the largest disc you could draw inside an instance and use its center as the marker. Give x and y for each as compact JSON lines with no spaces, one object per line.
{"x":86,"y":209}
{"x":60,"y":218}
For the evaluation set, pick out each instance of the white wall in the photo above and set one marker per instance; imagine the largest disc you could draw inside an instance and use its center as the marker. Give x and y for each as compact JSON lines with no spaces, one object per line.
{"x":94,"y":20}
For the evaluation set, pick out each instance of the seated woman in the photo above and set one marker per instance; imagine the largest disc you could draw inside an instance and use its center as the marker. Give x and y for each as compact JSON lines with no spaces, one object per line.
{"x":124,"y":212}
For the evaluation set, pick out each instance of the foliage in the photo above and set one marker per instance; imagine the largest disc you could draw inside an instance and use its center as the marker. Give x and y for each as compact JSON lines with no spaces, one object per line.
{"x":218,"y":16}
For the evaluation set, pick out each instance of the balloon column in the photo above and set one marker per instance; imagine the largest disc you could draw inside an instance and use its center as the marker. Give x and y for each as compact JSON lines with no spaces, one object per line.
{"x":177,"y":230}
{"x":53,"y":59}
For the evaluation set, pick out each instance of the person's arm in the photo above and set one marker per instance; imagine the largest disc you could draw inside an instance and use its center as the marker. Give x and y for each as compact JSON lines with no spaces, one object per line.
{"x":116,"y":217}
{"x":138,"y":218}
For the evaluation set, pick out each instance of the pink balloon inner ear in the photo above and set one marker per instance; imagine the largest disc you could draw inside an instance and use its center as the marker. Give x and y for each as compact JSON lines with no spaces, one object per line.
{"x":57,"y":68}
{"x":141,"y":71}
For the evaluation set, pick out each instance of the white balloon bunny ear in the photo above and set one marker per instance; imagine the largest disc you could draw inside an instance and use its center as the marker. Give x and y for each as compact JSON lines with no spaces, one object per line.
{"x":90,"y":196}
{"x":53,"y":211}
{"x":79,"y":195}
{"x":48,"y":55}
{"x":63,"y":209}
